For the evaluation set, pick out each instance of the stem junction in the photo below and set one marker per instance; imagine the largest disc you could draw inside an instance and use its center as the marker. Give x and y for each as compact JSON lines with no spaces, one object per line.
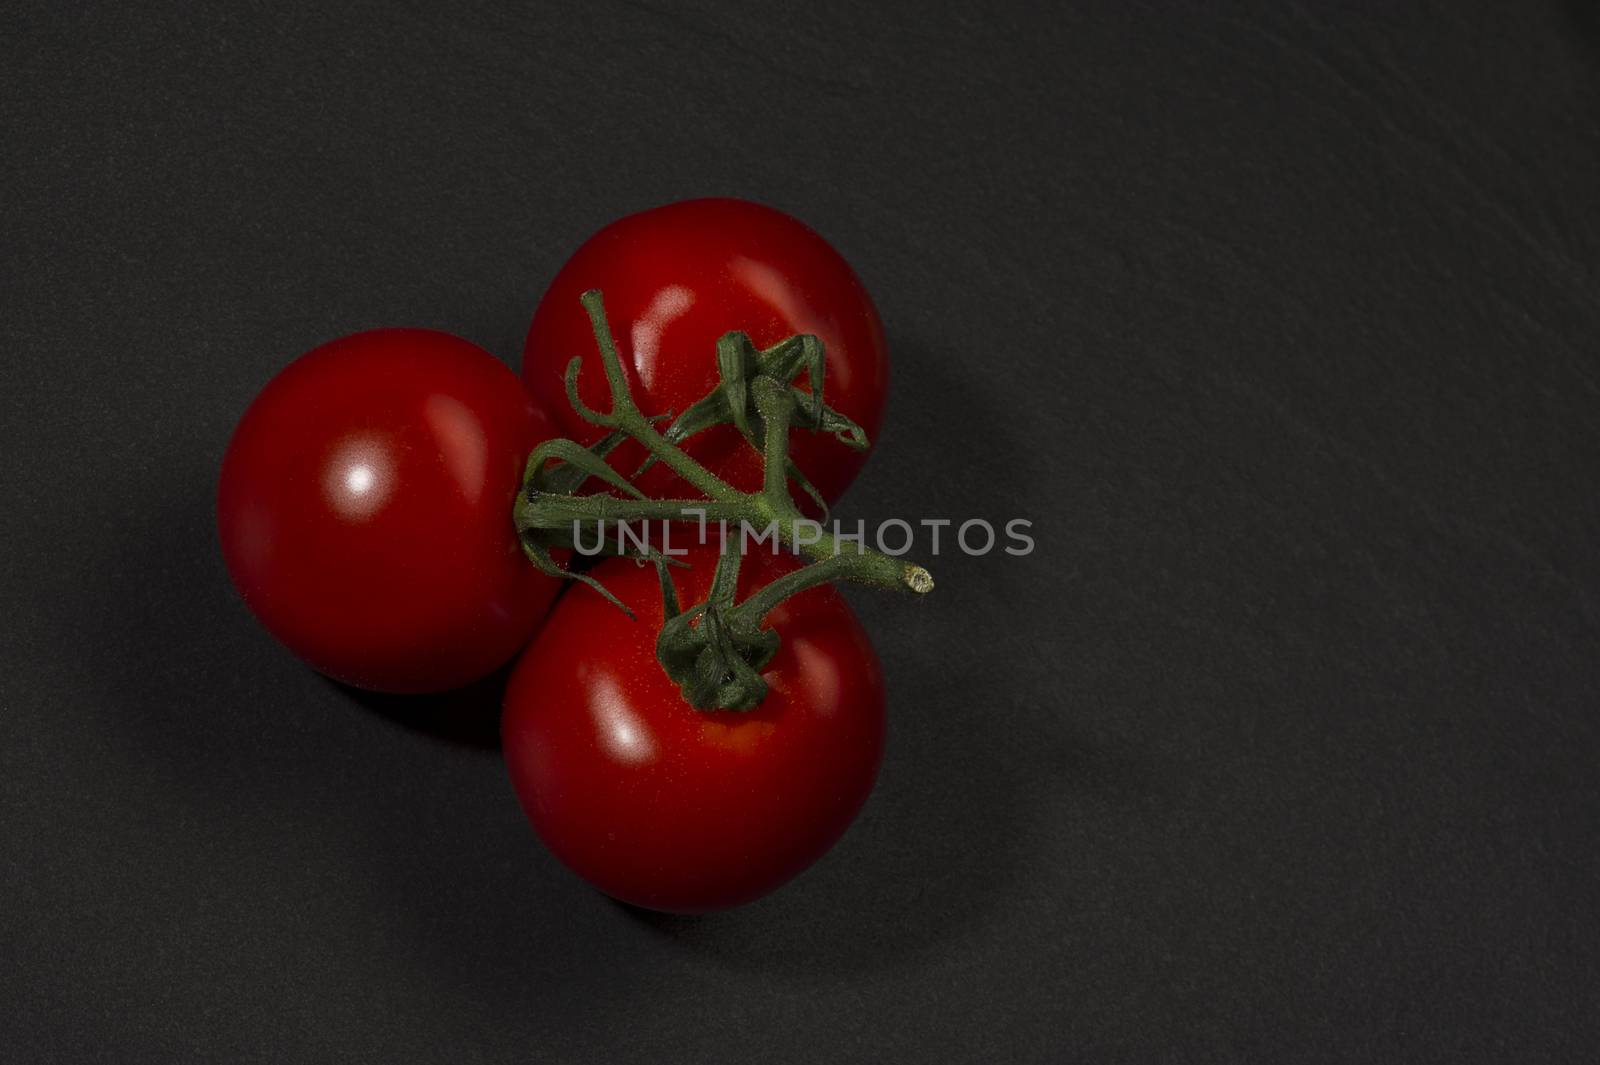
{"x":714,"y":650}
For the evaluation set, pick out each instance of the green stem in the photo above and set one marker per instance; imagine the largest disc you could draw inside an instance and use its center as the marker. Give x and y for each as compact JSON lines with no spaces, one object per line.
{"x":625,"y":415}
{"x":549,"y":511}
{"x":776,"y":407}
{"x":717,"y":661}
{"x":862,"y":569}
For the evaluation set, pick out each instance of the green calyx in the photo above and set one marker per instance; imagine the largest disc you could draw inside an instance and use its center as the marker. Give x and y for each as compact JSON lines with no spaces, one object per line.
{"x":739,"y":366}
{"x":713,"y":650}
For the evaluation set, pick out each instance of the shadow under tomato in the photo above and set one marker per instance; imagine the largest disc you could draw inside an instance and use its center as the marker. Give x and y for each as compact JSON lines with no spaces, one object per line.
{"x":468,"y":716}
{"x":255,"y":776}
{"x":940,"y":836}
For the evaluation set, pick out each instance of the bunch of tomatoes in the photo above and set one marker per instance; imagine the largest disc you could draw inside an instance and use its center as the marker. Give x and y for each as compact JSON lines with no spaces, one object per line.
{"x":365,"y":511}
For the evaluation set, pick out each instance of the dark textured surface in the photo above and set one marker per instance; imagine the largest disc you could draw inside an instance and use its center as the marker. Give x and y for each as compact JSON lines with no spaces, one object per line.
{"x":1281,"y":321}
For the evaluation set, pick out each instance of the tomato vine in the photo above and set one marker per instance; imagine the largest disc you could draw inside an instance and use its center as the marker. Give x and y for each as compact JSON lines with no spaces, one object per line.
{"x":714,"y":650}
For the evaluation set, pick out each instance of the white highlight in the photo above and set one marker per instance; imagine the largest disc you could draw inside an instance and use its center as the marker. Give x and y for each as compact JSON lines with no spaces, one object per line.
{"x":621,"y":732}
{"x":360,"y":479}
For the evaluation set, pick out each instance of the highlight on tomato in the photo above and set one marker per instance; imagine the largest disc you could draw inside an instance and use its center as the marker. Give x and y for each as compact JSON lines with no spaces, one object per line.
{"x":364,"y":508}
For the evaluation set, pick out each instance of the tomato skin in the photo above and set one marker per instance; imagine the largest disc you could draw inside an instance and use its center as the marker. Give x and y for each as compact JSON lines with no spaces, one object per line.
{"x":672,"y":808}
{"x":675,"y":279}
{"x":364,"y":508}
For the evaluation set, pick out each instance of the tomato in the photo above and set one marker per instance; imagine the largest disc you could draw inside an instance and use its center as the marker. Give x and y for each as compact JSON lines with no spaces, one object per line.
{"x":675,"y":279}
{"x":672,"y":808}
{"x":365,"y":510}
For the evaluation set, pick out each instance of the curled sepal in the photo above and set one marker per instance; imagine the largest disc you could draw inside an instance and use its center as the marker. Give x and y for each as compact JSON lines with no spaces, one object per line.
{"x":577,"y":464}
{"x":542,"y":560}
{"x":829,"y":420}
{"x":715,"y":660}
{"x":739,"y":363}
{"x":708,"y":650}
{"x":545,"y":485}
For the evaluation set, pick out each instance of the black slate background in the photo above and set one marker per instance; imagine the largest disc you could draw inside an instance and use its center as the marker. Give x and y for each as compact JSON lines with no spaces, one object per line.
{"x":1279,"y":320}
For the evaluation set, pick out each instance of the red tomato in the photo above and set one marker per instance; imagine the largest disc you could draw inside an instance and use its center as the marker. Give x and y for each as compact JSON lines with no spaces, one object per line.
{"x":672,"y":808}
{"x":675,"y":279}
{"x":365,"y":510}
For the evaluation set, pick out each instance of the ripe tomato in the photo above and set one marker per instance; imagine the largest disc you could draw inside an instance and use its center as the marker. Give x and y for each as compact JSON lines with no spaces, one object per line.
{"x":675,"y":279}
{"x":365,"y":510}
{"x":672,"y":808}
